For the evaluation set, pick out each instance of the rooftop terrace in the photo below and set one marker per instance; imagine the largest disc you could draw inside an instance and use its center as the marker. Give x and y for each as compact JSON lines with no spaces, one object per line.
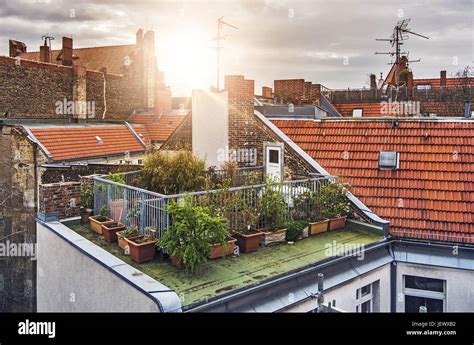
{"x":228,"y":275}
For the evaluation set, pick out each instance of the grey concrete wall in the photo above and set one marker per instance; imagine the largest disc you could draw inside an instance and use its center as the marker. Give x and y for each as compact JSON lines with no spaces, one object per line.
{"x":459,"y":290}
{"x":75,"y":275}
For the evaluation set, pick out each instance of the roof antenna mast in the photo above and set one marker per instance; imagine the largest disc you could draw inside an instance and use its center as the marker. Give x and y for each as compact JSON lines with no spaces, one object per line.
{"x":400,"y":33}
{"x":220,"y":24}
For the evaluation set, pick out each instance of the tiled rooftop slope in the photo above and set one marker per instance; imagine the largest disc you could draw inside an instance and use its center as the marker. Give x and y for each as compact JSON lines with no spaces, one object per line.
{"x":431,"y":196}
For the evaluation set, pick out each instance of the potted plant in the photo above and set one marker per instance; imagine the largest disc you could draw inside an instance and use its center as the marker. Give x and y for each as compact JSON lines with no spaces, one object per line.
{"x":109,"y":230}
{"x":87,"y":201}
{"x":307,"y":207}
{"x":295,"y":230}
{"x":193,"y":231}
{"x":102,"y":218}
{"x":142,"y":247}
{"x":124,"y":234}
{"x":248,"y":238}
{"x":272,"y":209}
{"x":334,"y":204}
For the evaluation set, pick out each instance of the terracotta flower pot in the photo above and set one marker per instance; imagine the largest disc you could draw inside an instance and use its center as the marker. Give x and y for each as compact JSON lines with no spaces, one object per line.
{"x":110,"y":230}
{"x":319,"y":226}
{"x":141,"y":252}
{"x":175,"y":261}
{"x":273,"y":237}
{"x":248,"y":242}
{"x":97,"y":221}
{"x":121,"y":240}
{"x":337,"y":223}
{"x":218,"y":250}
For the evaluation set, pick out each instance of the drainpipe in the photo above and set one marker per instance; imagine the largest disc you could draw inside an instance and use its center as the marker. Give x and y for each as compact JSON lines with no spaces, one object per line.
{"x":393,"y":281}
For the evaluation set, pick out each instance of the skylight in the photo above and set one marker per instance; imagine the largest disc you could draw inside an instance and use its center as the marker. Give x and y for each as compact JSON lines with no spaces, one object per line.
{"x":389,"y":160}
{"x":99,"y":139}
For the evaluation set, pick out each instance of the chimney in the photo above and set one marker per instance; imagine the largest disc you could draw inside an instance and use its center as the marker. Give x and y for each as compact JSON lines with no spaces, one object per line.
{"x":266,"y":92}
{"x":149,"y":70}
{"x":442,"y":78}
{"x":373,"y":82}
{"x":139,"y":38}
{"x":79,"y":94}
{"x":467,"y":109}
{"x":45,"y":53}
{"x":67,"y":51}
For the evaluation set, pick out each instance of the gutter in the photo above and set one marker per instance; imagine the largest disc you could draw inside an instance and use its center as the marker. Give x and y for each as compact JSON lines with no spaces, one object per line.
{"x":354,"y":200}
{"x":34,"y":140}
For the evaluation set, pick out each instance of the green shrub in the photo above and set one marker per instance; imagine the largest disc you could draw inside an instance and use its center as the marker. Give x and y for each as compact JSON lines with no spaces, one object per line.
{"x":87,"y":195}
{"x":332,"y":200}
{"x":194,"y":229}
{"x":104,"y":211}
{"x":294,"y":229}
{"x":168,"y":173}
{"x":272,"y":207}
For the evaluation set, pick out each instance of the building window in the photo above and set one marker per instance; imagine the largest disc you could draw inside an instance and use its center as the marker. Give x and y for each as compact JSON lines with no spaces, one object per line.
{"x":140,"y":161}
{"x":367,"y":298}
{"x":424,"y":292}
{"x":423,"y":87}
{"x":274,"y":156}
{"x":389,"y":160}
{"x":357,"y":112}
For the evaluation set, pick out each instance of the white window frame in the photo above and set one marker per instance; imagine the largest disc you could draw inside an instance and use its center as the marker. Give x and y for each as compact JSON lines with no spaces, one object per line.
{"x":391,"y":167}
{"x":421,"y":87}
{"x":355,"y":112}
{"x":366,"y":298}
{"x":425,"y":293}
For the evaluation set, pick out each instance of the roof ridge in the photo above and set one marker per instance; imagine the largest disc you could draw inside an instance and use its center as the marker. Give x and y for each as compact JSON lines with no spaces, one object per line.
{"x":58,"y":50}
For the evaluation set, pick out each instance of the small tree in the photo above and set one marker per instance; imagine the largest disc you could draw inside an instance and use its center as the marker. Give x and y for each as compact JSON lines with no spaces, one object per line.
{"x":271,"y":204}
{"x":332,"y":200}
{"x":168,"y":173}
{"x":87,"y":194}
{"x":194,"y":229}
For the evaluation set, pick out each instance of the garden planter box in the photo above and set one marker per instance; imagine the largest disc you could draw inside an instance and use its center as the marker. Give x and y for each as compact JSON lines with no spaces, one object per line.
{"x":318,"y":226}
{"x":141,"y":252}
{"x":175,"y":261}
{"x":218,"y":250}
{"x":109,"y":230}
{"x":248,"y":242}
{"x":97,"y":221}
{"x":121,"y":240}
{"x":273,"y":237}
{"x":337,"y":223}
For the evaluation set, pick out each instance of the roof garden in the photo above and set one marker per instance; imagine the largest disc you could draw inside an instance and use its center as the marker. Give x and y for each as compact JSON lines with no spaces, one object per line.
{"x":237,"y":272}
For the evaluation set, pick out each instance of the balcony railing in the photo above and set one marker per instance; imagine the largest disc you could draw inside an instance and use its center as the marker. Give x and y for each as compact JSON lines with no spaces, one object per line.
{"x":146,"y":210}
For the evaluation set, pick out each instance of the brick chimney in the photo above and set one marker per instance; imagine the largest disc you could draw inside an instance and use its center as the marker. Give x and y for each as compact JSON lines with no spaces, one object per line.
{"x":149,"y":70}
{"x":45,"y":53}
{"x":242,"y":125}
{"x":266,"y":92}
{"x":373,"y":82}
{"x":67,"y":51}
{"x":442,"y":78}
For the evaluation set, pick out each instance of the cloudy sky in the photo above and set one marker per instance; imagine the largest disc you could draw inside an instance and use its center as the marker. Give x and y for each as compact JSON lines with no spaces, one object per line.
{"x":327,"y":42}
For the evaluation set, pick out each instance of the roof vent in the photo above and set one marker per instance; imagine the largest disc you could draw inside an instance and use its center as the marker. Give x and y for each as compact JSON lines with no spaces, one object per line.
{"x":389,"y":160}
{"x":170,"y":123}
{"x":99,"y":139}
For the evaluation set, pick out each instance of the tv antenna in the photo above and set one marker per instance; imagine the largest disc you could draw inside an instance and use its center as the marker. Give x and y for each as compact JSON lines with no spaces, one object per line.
{"x":400,"y":33}
{"x":220,"y":25}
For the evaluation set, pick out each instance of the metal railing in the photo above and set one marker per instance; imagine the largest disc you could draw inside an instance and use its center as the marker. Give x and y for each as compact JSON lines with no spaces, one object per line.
{"x":147,"y":210}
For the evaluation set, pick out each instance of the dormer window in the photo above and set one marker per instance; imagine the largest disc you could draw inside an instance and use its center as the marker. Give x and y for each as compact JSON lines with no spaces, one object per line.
{"x":389,"y":160}
{"x":357,"y":112}
{"x":99,"y":139}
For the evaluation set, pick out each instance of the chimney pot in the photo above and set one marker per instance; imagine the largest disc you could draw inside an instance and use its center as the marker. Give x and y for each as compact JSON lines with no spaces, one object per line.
{"x":442,"y":77}
{"x":373,"y":82}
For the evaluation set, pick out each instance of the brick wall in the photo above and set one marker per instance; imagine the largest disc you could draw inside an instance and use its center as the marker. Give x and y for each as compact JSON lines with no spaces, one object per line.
{"x":297,"y":91}
{"x":60,"y":199}
{"x":267,"y":92}
{"x":31,"y":89}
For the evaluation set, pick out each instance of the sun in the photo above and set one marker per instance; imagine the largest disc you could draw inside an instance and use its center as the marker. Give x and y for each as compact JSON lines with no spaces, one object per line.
{"x":188,"y":59}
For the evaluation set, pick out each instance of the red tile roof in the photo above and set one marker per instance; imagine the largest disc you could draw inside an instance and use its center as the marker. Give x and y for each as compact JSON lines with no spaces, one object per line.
{"x":368,"y":109}
{"x":142,"y":132}
{"x":161,"y":130}
{"x":450,"y":82}
{"x":431,"y":195}
{"x":94,"y":58}
{"x":74,"y":143}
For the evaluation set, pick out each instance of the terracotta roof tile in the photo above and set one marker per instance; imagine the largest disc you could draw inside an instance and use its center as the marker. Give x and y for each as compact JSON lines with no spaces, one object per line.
{"x":161,"y":130}
{"x":74,"y":143}
{"x":431,"y":196}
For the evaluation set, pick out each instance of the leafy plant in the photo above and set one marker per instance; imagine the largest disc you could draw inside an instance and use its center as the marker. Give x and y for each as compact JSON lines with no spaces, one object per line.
{"x":168,"y":173}
{"x":295,"y":229}
{"x":117,"y":177}
{"x":194,"y":229}
{"x":271,"y":204}
{"x":130,"y":232}
{"x":104,"y":211}
{"x":333,"y":201}
{"x":87,"y":195}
